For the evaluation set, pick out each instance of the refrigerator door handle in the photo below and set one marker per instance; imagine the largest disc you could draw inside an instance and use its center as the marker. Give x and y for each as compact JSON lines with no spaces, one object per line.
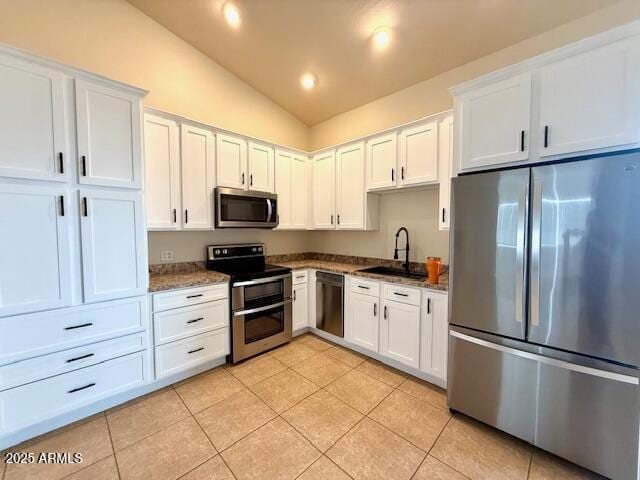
{"x":536,"y":213}
{"x":520,"y":248}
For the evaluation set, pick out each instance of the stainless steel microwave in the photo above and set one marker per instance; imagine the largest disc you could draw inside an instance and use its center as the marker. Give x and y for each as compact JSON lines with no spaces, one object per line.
{"x":236,"y":208}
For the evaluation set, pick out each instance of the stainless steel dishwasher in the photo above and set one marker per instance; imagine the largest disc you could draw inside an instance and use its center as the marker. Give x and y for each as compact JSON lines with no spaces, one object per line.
{"x":330,"y":303}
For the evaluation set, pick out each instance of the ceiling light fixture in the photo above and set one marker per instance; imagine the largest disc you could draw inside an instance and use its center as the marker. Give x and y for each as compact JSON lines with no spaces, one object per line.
{"x":231,"y":14}
{"x":381,"y":37}
{"x":308,"y":81}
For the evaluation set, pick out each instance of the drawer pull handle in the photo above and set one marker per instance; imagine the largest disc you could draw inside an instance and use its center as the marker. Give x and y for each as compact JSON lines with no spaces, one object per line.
{"x":196,"y":350}
{"x":80,"y":358}
{"x":194,"y":296}
{"x":300,"y":277}
{"x":82,"y":388}
{"x":363,"y":287}
{"x":401,"y":294}
{"x":82,"y":325}
{"x":195,"y":320}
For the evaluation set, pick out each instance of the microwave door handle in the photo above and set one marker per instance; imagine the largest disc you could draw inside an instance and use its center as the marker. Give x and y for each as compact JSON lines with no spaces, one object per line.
{"x":269,"y":210}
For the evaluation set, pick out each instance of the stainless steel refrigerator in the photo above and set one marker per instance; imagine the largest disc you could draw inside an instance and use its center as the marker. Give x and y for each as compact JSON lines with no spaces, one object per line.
{"x":544,"y":337}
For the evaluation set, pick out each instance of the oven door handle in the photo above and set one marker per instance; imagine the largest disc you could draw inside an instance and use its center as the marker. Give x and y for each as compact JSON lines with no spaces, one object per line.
{"x":241,"y":313}
{"x":261,"y":280}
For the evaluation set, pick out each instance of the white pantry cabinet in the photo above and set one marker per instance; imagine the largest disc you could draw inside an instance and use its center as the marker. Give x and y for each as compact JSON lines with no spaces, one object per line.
{"x":324,"y":184}
{"x":434,"y":330}
{"x":292,"y":187}
{"x":363,"y":328}
{"x":231,"y":161}
{"x":445,"y":159}
{"x":495,"y":123}
{"x":35,"y":253}
{"x":382,"y":159}
{"x":113,"y":244}
{"x":109,"y":136}
{"x":591,"y":100}
{"x":350,"y":191}
{"x":33,"y":142}
{"x":418,"y":154}
{"x":261,"y":167}
{"x":400,"y":332}
{"x":162,"y":173}
{"x":198,"y":177}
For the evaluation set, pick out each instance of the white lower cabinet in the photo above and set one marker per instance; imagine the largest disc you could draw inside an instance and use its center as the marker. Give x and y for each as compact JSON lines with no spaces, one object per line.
{"x":400,"y":332}
{"x":434,"y":334}
{"x":363,"y":321}
{"x":39,"y":401}
{"x":300,"y":310}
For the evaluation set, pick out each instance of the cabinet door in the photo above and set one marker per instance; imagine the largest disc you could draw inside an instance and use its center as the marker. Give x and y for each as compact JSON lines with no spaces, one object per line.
{"x":363,"y":321}
{"x":32,"y":121}
{"x":231,"y":155}
{"x":114,"y":256}
{"x":299,"y":192}
{"x":400,"y":332}
{"x":324,"y":168}
{"x":445,"y":159}
{"x":261,"y":168}
{"x":35,"y":260}
{"x":350,"y":192}
{"x":284,"y":188}
{"x":300,"y":306}
{"x":109,"y":136}
{"x":162,"y":173}
{"x":591,"y":100}
{"x":198,"y":177}
{"x":382,"y":155}
{"x":418,"y":154}
{"x":495,"y":123}
{"x":434,"y":335}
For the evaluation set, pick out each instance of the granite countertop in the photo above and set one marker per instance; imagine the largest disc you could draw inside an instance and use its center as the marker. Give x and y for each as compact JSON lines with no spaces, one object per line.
{"x":182,"y":275}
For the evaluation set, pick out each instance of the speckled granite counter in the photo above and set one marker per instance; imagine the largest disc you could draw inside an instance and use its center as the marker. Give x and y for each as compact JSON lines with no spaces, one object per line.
{"x":182,"y":275}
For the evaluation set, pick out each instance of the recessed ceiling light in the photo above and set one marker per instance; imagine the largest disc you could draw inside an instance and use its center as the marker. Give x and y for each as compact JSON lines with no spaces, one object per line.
{"x":381,"y":37}
{"x":308,"y":81}
{"x":231,"y":14}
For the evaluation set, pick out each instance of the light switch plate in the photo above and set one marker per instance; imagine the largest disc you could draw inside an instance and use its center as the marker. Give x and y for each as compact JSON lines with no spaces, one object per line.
{"x":166,"y":255}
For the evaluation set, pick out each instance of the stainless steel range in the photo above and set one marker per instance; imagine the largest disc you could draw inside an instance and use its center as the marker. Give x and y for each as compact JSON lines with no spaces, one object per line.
{"x":260,"y":298}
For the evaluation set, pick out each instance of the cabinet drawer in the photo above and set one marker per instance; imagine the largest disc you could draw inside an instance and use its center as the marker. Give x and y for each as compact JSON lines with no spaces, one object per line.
{"x":189,"y":296}
{"x":299,"y":276}
{"x":189,"y":321}
{"x":32,"y":403}
{"x":400,"y":294}
{"x":45,"y":366}
{"x":35,"y":334}
{"x":183,"y":354}
{"x":366,"y":287}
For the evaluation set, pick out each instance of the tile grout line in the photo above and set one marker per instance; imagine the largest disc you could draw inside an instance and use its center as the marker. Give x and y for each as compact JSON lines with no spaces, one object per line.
{"x":434,"y":444}
{"x":113,"y":448}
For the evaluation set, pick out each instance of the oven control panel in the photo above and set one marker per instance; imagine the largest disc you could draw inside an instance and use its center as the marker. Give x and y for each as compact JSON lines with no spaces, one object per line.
{"x":217,"y":252}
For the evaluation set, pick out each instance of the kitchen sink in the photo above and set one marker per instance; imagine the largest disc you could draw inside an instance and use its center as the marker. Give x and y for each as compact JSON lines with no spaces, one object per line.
{"x":396,"y":272}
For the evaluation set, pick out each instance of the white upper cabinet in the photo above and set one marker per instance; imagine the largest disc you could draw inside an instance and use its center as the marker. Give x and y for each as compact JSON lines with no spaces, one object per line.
{"x":109,"y":143}
{"x":162,"y":173}
{"x":231,"y":160}
{"x":400,"y":332}
{"x":198,"y":177}
{"x":418,"y":154}
{"x":350,"y":191}
{"x":434,"y":335}
{"x":495,"y":123}
{"x":35,"y":256}
{"x":382,"y":158}
{"x":324,"y":174}
{"x":33,"y":142}
{"x":591,"y":100}
{"x":261,"y":167}
{"x":445,"y":162}
{"x":114,"y":257}
{"x":291,"y":187}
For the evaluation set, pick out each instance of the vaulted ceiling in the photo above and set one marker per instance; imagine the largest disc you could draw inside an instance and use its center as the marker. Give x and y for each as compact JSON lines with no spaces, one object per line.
{"x":279,"y":40}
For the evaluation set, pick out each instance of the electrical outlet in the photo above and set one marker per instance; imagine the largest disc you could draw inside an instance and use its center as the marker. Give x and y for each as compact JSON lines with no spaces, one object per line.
{"x":166,"y":255}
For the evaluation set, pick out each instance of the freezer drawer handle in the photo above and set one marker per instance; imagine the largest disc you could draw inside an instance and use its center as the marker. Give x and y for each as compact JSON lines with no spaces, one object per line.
{"x":195,"y":320}
{"x":196,"y":350}
{"x":81,"y":388}
{"x":88,"y":355}
{"x":82,"y":325}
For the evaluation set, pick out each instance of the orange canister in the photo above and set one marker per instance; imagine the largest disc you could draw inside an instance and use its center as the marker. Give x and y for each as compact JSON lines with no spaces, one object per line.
{"x":434,"y":269}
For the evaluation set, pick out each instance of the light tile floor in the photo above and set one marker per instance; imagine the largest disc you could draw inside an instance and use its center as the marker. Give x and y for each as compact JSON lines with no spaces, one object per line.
{"x":309,"y":410}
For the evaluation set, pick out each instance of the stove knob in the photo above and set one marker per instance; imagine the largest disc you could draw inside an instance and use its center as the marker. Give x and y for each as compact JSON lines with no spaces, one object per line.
{"x":217,"y":252}
{"x":254,"y":249}
{"x":260,"y":249}
{"x":224,"y":251}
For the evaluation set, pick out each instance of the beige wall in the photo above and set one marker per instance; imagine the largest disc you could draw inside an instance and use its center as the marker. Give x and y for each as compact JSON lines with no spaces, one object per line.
{"x":114,"y":39}
{"x":432,"y":96}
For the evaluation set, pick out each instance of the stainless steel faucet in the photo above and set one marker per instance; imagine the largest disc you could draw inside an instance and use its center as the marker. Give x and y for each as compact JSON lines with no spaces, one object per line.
{"x":406,"y":248}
